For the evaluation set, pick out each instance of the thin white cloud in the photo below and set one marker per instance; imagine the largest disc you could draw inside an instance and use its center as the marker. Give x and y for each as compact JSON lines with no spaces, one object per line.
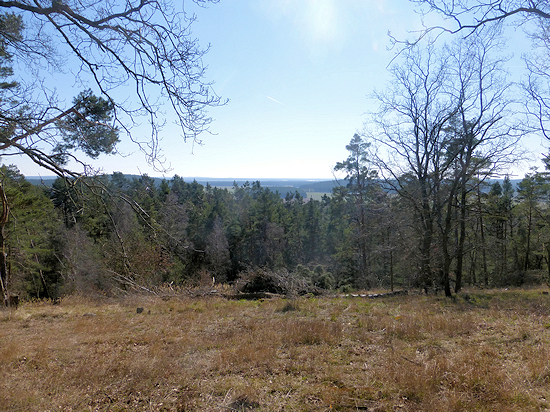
{"x":276,"y":101}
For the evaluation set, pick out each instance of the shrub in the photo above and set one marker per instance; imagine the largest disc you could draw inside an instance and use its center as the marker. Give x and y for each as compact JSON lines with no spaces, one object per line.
{"x":260,"y":280}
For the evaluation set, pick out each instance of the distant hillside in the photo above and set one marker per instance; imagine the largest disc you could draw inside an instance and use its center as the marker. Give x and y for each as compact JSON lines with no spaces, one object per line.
{"x":39,"y":181}
{"x":283,"y":186}
{"x":324,"y":186}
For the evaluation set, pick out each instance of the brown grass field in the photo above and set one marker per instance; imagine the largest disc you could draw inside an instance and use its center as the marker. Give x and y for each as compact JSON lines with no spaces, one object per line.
{"x":483,"y":351}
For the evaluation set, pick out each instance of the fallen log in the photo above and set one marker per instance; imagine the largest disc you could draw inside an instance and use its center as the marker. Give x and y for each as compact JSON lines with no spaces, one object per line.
{"x":251,"y":296}
{"x":376,"y":295}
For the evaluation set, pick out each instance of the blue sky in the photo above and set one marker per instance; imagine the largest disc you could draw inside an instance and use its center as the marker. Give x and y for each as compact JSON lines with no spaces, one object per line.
{"x":298,"y":75}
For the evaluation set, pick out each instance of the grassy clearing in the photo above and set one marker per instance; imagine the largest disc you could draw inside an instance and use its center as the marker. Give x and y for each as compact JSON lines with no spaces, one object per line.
{"x":486,"y":351}
{"x":318,"y":195}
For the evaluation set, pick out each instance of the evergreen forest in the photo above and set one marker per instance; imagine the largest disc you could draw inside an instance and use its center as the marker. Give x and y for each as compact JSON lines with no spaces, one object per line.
{"x":427,"y":202}
{"x":111,"y":235}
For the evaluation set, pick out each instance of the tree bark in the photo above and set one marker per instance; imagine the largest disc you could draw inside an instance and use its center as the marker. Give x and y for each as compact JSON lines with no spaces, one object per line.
{"x":526,"y":265}
{"x":482,"y":235}
{"x":461,"y":239}
{"x":447,"y":258}
{"x":3,"y":260}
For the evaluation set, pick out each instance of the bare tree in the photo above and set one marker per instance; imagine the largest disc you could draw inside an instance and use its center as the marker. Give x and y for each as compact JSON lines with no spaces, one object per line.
{"x":445,"y":117}
{"x":410,"y":123}
{"x":533,"y":16}
{"x":483,"y":136}
{"x":470,"y":15}
{"x":537,"y":85}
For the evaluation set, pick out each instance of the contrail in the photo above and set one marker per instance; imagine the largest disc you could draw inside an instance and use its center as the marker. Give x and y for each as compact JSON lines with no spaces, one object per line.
{"x":276,"y":101}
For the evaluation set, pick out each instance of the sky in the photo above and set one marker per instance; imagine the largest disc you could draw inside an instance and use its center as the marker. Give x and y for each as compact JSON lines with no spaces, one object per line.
{"x":298,"y":75}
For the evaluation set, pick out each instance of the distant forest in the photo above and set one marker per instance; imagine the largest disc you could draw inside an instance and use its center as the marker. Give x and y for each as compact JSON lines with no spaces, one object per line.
{"x":282,"y":186}
{"x":113,"y":234}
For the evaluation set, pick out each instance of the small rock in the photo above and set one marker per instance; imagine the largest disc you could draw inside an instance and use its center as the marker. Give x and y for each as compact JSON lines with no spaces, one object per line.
{"x":139,"y":310}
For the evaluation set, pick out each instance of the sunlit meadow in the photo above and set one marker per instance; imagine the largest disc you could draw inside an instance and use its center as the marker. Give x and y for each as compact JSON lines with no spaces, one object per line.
{"x":483,"y":351}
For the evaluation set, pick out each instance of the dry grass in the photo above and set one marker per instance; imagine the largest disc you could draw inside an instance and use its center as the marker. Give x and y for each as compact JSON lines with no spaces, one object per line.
{"x":485,"y":351}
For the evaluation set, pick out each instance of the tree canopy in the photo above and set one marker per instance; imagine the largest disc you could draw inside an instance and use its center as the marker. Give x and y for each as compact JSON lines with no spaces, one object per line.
{"x":470,"y":15}
{"x":467,"y":17}
{"x":127,"y":61}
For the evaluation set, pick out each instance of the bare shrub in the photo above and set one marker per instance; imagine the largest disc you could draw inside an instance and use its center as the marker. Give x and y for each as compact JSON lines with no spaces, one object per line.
{"x":217,"y":251}
{"x":83,"y":270}
{"x":281,"y":282}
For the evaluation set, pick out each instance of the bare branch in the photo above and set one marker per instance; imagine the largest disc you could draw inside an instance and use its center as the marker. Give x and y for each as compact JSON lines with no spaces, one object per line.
{"x":145,"y":44}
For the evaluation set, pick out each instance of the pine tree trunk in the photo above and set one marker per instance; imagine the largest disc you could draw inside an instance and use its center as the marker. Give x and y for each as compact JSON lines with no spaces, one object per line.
{"x":3,"y":261}
{"x":526,"y":265}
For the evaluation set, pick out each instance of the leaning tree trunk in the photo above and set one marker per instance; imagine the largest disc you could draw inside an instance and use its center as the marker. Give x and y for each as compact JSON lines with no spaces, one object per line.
{"x":3,"y":260}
